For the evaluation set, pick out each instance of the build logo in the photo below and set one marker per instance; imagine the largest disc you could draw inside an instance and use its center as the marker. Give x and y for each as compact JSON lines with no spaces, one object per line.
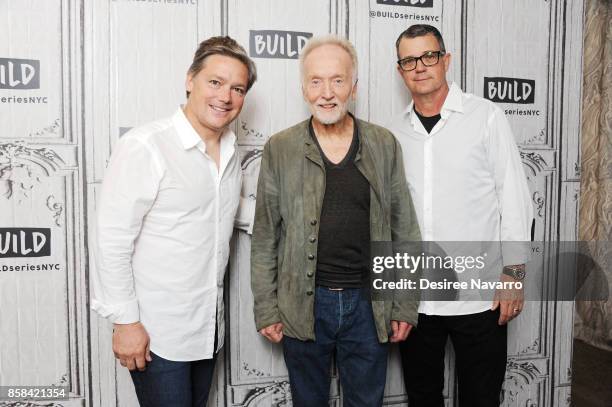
{"x":159,"y":2}
{"x":25,"y":242}
{"x":19,"y":73}
{"x":277,"y":44}
{"x":509,"y":90}
{"x":409,"y":3}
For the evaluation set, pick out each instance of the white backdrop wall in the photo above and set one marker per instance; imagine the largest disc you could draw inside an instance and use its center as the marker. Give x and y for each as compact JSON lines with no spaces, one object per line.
{"x":77,"y":74}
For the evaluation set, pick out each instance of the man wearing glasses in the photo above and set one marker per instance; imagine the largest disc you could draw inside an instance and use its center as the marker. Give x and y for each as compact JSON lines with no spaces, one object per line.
{"x":467,"y":182}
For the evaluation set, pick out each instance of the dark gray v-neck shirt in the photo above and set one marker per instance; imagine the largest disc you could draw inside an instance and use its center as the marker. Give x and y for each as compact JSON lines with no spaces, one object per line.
{"x":343,"y":254}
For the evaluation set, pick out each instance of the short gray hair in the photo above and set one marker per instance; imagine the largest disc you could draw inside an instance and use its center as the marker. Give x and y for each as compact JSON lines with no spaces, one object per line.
{"x":316,"y":42}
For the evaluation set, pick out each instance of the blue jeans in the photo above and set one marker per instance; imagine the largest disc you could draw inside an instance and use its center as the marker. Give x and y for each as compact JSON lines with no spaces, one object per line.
{"x":166,"y":383}
{"x":344,"y":324}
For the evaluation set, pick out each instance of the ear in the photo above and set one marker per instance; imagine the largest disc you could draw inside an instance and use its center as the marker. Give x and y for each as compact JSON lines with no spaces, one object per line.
{"x":354,"y":91}
{"x":189,"y":82}
{"x":399,"y":70}
{"x":447,"y":61}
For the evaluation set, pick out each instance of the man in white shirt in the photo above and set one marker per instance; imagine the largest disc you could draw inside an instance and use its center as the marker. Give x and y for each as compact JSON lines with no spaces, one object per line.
{"x":467,"y":183}
{"x":164,"y":221}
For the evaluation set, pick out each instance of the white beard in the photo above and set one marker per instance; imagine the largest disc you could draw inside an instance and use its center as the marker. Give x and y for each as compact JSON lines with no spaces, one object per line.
{"x":329,"y":117}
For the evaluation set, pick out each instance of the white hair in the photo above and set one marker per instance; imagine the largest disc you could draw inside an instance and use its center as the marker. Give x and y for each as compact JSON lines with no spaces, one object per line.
{"x":316,"y":42}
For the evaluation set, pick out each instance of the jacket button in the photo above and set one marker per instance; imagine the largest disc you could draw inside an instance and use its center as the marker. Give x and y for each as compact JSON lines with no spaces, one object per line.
{"x":311,"y":257}
{"x":309,"y":292}
{"x":310,"y":274}
{"x":313,"y":222}
{"x":312,"y":239}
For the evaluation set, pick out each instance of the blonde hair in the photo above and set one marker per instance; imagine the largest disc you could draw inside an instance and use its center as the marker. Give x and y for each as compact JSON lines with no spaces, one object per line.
{"x":316,"y":42}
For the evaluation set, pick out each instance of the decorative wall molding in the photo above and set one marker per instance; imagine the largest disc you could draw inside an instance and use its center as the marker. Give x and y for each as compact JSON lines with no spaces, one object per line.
{"x":534,"y":161}
{"x":274,"y":395}
{"x":22,"y":167}
{"x":251,"y":133}
{"x":531,"y":348}
{"x":249,"y":371}
{"x":54,"y":129}
{"x":539,"y":201}
{"x":117,"y":86}
{"x":538,"y":138}
{"x":251,"y":156}
{"x":56,"y":208}
{"x":519,"y":376}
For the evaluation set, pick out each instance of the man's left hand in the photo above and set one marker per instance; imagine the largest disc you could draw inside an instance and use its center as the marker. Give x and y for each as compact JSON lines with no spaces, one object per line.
{"x":509,"y":301}
{"x":400,"y":330}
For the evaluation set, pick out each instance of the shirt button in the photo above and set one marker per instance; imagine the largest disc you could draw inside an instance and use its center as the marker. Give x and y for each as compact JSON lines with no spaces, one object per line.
{"x":313,"y":222}
{"x":311,"y":257}
{"x":312,"y":239}
{"x":310,"y":274}
{"x":309,"y":292}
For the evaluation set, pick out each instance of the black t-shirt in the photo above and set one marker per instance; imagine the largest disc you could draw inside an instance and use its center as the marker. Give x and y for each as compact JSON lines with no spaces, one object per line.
{"x":343,"y":254}
{"x":428,"y":122}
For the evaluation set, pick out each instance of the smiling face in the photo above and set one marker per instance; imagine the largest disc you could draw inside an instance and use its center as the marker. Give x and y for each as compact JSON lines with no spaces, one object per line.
{"x":423,"y":80}
{"x":217,"y":94}
{"x":328,"y":83}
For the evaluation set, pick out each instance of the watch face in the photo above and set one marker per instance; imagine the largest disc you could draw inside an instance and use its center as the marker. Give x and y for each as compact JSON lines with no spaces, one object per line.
{"x":515,"y":272}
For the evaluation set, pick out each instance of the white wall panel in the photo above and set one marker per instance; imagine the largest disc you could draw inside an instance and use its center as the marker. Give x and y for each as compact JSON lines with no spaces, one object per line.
{"x":514,"y":41}
{"x":34,"y":66}
{"x":43,"y":327}
{"x":95,"y":68}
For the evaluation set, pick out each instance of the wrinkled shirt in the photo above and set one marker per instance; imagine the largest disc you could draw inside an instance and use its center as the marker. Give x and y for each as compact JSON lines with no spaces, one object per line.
{"x":164,"y":221}
{"x":467,"y":182}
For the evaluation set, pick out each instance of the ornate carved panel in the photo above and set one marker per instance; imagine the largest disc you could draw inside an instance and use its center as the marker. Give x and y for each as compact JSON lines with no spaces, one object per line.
{"x":44,"y":335}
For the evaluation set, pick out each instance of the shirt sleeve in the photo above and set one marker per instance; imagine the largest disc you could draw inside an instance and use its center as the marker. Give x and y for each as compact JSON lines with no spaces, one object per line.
{"x":513,"y":196}
{"x":128,"y":192}
{"x":404,"y":229}
{"x":265,"y":243}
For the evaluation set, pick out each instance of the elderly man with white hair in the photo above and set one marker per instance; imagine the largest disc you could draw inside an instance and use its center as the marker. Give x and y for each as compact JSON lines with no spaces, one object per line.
{"x":329,"y":186}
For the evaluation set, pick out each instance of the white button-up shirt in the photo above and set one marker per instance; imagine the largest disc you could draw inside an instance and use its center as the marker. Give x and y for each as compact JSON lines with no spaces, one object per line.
{"x":467,"y":183}
{"x":164,"y":222}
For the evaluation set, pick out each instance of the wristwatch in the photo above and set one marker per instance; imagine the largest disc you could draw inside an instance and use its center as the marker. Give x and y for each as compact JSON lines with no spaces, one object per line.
{"x":516,"y":271}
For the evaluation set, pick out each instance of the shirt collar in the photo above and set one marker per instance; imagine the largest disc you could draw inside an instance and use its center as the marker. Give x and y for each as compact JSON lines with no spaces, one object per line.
{"x":356,"y":142}
{"x":453,"y":102}
{"x":190,"y":138}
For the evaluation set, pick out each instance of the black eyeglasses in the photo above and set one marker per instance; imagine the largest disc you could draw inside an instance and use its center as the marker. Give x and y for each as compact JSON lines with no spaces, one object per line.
{"x":429,"y":58}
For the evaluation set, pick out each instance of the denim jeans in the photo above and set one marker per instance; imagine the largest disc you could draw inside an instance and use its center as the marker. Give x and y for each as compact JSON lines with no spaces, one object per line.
{"x":166,"y":383}
{"x":344,"y":325}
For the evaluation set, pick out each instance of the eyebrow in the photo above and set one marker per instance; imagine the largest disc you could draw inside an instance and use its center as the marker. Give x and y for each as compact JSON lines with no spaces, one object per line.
{"x":215,"y":76}
{"x":425,"y":52}
{"x":311,"y":77}
{"x":224,"y":79}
